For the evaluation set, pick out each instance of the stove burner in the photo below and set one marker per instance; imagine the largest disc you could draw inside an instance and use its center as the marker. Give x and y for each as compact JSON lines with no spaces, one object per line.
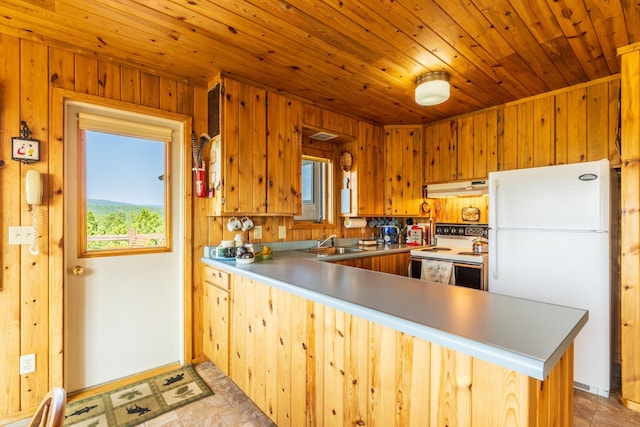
{"x":437,"y":249}
{"x":470,"y":253}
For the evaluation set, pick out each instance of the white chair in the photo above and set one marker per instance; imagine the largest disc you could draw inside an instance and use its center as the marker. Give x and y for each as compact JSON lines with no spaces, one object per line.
{"x":50,"y":412}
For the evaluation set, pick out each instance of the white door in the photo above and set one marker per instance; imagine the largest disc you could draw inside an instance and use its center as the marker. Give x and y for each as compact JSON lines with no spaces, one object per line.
{"x":123,"y":311}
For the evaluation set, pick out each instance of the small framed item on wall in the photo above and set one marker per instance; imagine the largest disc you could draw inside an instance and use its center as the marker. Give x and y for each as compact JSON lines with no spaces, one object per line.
{"x":25,"y":150}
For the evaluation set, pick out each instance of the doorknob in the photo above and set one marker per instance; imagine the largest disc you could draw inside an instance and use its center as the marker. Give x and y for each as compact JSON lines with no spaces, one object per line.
{"x":77,"y":270}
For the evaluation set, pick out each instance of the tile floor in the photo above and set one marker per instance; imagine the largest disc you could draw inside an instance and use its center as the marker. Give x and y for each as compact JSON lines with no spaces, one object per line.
{"x":230,"y":407}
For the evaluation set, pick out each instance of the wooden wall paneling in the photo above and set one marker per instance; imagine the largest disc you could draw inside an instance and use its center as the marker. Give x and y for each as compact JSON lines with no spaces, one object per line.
{"x":543,"y":131}
{"x":451,"y":382}
{"x":315,"y":366}
{"x":598,"y":121}
{"x":197,"y":232}
{"x":167,"y":92}
{"x":261,"y":301}
{"x":109,"y":80}
{"x":561,"y":118}
{"x":404,"y":379}
{"x":480,"y":145}
{"x":298,"y":373}
{"x":525,"y":135}
{"x":577,"y":131}
{"x":356,"y":351}
{"x":334,"y":366}
{"x":493,"y":126}
{"x":465,"y":161}
{"x":344,"y":370}
{"x":34,"y":295}
{"x":419,"y":370}
{"x":510,"y":138}
{"x":280,"y":372}
{"x":505,"y":407}
{"x":185,"y":103}
{"x":630,"y":226}
{"x":61,"y":68}
{"x":130,"y":85}
{"x":86,"y":75}
{"x":239,"y":357}
{"x":149,"y":90}
{"x":613,"y":110}
{"x":11,"y":202}
{"x":382,"y":377}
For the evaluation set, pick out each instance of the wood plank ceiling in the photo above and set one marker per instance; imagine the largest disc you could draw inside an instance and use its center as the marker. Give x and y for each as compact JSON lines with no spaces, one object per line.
{"x":359,"y":57}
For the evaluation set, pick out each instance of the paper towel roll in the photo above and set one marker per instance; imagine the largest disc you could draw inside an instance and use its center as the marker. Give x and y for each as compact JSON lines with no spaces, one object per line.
{"x":355,"y":222}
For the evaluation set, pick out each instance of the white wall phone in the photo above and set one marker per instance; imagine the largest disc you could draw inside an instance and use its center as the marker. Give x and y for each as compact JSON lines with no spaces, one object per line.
{"x":33,"y":188}
{"x":33,"y":192}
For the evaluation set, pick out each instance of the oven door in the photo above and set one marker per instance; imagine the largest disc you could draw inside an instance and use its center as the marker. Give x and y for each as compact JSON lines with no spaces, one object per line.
{"x":467,"y":275}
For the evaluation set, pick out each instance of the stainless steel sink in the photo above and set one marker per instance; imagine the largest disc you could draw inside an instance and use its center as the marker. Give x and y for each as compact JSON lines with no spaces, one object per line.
{"x":328,"y":251}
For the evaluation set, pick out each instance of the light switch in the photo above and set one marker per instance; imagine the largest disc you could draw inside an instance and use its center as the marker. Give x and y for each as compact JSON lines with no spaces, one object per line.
{"x":282,"y":232}
{"x":257,"y":232}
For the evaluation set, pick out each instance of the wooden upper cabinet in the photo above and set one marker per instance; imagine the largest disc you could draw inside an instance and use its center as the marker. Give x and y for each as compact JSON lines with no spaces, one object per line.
{"x":403,"y":157}
{"x":257,"y":156}
{"x":366,"y":175}
{"x":317,"y":118}
{"x":477,"y":145}
{"x":239,"y":155}
{"x":284,"y":155}
{"x":440,"y":152}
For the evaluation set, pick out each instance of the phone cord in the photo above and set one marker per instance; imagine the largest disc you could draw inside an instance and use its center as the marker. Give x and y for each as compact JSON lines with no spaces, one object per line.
{"x":34,"y":249}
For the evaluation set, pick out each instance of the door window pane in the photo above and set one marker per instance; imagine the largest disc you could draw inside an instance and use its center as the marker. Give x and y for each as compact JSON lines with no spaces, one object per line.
{"x":125,"y":194}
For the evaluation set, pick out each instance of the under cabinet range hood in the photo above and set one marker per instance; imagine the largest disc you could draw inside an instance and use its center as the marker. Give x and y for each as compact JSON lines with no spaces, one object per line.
{"x":457,"y":188}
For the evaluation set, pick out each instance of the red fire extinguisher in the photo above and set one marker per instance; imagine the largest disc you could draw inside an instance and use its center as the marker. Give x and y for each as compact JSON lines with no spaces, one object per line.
{"x":201,"y":181}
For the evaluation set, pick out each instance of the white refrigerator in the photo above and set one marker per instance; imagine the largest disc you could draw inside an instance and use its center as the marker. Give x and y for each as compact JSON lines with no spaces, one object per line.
{"x":549,"y":241}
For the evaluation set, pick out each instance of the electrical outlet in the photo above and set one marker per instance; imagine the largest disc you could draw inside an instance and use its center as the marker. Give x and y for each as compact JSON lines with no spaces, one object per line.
{"x":27,"y":363}
{"x":20,"y":235}
{"x":257,"y":232}
{"x":282,"y":232}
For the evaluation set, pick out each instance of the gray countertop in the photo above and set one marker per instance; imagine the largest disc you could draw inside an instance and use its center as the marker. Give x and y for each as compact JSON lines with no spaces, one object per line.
{"x":523,"y":335}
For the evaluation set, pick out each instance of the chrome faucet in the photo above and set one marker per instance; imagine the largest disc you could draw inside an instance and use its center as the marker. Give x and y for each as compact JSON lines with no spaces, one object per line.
{"x":322,"y":242}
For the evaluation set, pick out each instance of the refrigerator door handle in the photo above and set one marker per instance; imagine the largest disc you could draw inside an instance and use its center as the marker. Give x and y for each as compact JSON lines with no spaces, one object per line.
{"x":493,"y":204}
{"x":493,"y":249}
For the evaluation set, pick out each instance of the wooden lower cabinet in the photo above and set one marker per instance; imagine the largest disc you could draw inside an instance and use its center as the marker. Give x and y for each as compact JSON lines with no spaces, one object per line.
{"x":304,"y":363}
{"x":394,"y":264}
{"x":215,"y":322}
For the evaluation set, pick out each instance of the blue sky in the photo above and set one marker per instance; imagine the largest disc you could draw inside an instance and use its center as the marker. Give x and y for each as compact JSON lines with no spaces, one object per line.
{"x":124,"y":169}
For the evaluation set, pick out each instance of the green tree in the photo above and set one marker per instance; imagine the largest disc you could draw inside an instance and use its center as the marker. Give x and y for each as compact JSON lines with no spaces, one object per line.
{"x":92,"y":224}
{"x":147,"y":222}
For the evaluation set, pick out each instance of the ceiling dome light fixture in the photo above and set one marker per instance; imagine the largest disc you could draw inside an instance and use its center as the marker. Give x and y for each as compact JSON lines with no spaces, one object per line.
{"x":432,"y":88}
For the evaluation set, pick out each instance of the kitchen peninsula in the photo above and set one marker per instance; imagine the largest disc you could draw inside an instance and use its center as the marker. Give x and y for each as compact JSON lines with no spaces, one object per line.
{"x":316,"y":343}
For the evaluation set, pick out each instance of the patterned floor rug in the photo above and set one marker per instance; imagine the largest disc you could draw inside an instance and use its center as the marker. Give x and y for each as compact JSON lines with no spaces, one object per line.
{"x":136,"y":403}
